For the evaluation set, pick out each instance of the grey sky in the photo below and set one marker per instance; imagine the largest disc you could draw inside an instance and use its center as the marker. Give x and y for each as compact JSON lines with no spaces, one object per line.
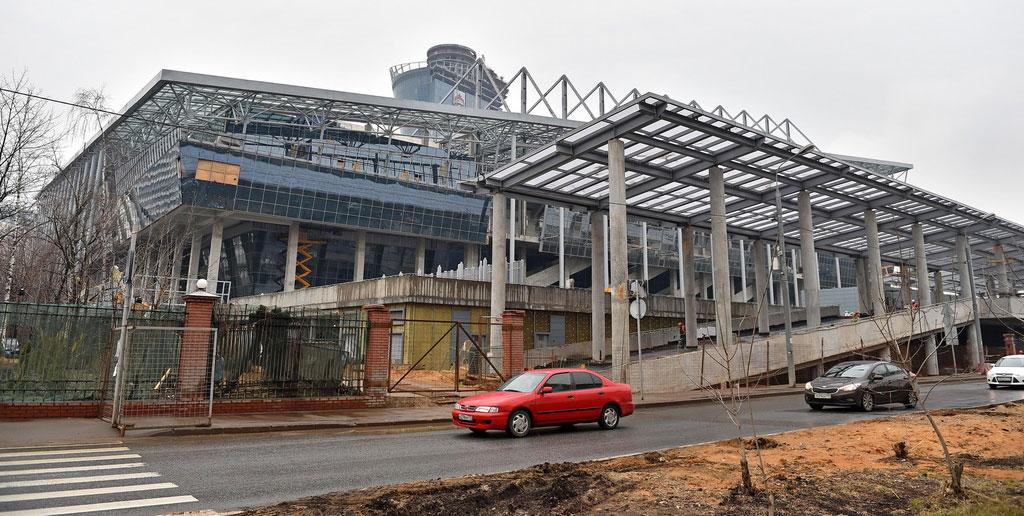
{"x":937,"y":84}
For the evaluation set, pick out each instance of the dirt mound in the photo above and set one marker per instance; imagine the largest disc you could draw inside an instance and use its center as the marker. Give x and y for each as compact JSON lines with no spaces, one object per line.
{"x":760,"y":443}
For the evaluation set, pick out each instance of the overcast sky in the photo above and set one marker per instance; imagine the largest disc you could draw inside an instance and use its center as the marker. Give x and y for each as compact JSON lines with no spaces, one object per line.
{"x":936,"y":84}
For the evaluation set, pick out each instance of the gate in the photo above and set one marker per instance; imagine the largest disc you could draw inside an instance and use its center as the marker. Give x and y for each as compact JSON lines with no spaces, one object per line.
{"x":441,"y":356}
{"x":166,"y":378}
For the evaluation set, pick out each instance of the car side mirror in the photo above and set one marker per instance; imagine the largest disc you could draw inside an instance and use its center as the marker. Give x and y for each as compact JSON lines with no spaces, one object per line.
{"x":547,"y":389}
{"x":876,"y":377}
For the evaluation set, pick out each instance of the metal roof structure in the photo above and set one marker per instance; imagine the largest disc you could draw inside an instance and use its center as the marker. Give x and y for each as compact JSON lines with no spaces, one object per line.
{"x":199,"y":103}
{"x":670,"y":145}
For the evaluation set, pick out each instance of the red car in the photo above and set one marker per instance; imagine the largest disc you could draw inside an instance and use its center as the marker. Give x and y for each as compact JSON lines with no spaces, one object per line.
{"x":549,"y":397}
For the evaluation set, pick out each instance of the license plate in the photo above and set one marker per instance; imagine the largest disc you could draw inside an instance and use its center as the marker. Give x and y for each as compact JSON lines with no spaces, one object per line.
{"x":465,"y":417}
{"x":822,"y":395}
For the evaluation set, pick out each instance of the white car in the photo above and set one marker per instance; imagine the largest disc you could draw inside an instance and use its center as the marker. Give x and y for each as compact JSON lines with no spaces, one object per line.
{"x":1008,"y":371}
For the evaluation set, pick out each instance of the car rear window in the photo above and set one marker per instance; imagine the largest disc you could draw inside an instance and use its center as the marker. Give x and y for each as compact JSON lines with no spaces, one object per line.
{"x":586,"y":381}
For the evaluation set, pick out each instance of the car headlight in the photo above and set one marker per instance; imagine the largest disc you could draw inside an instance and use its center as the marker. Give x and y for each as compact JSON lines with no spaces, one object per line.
{"x":807,"y":386}
{"x":487,"y":409}
{"x":458,"y":406}
{"x":850,"y":387}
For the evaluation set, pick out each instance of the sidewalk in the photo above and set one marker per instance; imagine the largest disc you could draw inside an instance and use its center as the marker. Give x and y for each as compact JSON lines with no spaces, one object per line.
{"x":56,"y":431}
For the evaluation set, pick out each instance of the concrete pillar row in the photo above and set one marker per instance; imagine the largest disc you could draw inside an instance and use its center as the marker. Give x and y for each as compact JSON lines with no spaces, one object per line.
{"x":213,"y":263}
{"x":499,"y":270}
{"x":291,"y":257}
{"x":812,"y":283}
{"x":194,"y":253}
{"x":863,"y":286}
{"x":761,"y":286}
{"x":597,"y":302}
{"x":967,"y":291}
{"x":924,"y":297}
{"x":720,"y":257}
{"x":876,"y":288}
{"x":359,"y":268}
{"x":421,"y":256}
{"x":617,"y":250}
{"x":1002,"y":276}
{"x":939,"y":291}
{"x":689,"y":286}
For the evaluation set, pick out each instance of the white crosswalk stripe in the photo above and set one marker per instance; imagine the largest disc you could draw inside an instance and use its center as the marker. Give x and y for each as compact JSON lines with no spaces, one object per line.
{"x":73,"y":479}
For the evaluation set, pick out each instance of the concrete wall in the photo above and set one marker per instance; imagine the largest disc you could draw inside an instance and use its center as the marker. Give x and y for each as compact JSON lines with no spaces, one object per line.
{"x":444,"y":291}
{"x":683,"y":371}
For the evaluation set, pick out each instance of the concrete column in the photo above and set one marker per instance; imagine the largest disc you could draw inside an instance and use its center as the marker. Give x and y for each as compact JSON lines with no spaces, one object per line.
{"x":720,"y":257}
{"x":291,"y":257}
{"x":797,"y":300}
{"x":607,"y":271}
{"x":499,"y":270}
{"x":646,"y":274}
{"x":359,"y":267}
{"x":876,"y":289}
{"x":193,"y":261}
{"x":743,"y":271}
{"x":812,"y":283}
{"x":471,"y":255}
{"x":967,"y":292}
{"x":511,"y":234}
{"x":863,"y":288}
{"x":561,"y":247}
{"x":771,"y":281}
{"x":924,"y":297}
{"x":938,"y":294}
{"x":905,"y":293}
{"x":421,"y":256}
{"x":689,"y":287}
{"x":597,"y":302}
{"x":617,"y":247}
{"x":213,"y":267}
{"x":761,"y":286}
{"x":1002,"y":275}
{"x":179,"y":252}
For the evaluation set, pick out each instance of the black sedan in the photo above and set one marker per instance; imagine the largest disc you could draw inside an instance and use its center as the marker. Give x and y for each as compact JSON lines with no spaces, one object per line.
{"x":864,"y":384}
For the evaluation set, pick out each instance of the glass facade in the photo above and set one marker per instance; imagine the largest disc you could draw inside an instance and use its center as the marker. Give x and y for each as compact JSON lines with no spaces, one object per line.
{"x":301,"y":190}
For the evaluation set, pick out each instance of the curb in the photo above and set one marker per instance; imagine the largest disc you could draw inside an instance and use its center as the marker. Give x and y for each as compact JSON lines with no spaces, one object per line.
{"x":212,"y":430}
{"x":195,"y":431}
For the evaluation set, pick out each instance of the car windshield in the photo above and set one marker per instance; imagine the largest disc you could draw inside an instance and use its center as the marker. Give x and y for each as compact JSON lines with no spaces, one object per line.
{"x":1010,"y":362}
{"x":848,"y":371}
{"x":525,"y":382}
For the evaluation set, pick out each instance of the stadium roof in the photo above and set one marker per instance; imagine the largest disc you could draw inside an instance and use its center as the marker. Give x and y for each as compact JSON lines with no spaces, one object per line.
{"x":670,"y":145}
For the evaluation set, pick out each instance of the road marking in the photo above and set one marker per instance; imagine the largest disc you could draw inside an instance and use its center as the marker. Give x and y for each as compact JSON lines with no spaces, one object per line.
{"x":69,"y":459}
{"x":75,"y":480}
{"x":42,"y":446}
{"x":86,"y":492}
{"x":44,"y":471}
{"x":61,"y":452}
{"x":105,"y":506}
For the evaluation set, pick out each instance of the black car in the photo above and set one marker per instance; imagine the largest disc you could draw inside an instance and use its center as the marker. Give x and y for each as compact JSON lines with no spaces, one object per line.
{"x":864,"y":384}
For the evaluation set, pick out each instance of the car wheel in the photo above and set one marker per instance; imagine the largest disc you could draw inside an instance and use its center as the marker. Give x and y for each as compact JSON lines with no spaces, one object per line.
{"x":992,"y":386}
{"x":867,"y":402}
{"x":911,"y":399}
{"x":609,"y":417}
{"x":816,"y":406}
{"x":519,"y":423}
{"x":478,"y":431}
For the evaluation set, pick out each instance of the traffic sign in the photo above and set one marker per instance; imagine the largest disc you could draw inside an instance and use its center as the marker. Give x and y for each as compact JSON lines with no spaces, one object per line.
{"x":638,"y":308}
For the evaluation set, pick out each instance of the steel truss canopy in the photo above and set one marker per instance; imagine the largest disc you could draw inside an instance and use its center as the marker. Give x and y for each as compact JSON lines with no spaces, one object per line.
{"x":205,"y":104}
{"x":669,"y":147}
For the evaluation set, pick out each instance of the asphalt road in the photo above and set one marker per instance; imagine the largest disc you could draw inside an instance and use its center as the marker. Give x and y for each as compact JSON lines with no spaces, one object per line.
{"x":234,"y":471}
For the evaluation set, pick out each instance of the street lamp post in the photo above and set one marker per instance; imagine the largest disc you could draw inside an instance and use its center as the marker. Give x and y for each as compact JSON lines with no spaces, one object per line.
{"x":780,"y":260}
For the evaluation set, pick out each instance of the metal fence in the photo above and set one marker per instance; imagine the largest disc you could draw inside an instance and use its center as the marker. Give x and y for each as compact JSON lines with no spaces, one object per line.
{"x":441,"y":356}
{"x":286,"y":353}
{"x":60,"y":352}
{"x":165,"y":380}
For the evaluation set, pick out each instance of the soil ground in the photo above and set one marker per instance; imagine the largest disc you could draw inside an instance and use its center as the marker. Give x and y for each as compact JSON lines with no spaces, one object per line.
{"x":842,"y":469}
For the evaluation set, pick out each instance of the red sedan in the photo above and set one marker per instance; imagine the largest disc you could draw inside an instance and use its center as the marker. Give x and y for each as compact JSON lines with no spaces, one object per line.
{"x":550,"y":397}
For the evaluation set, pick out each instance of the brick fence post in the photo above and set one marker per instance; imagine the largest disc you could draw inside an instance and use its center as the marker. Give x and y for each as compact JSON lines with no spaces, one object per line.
{"x":512,"y":338}
{"x":193,"y":361}
{"x":376,"y":368}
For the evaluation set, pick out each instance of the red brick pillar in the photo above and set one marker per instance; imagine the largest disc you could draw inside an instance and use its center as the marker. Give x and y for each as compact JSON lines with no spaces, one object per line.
{"x":512,"y":340}
{"x":377,"y":365}
{"x":193,"y":360}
